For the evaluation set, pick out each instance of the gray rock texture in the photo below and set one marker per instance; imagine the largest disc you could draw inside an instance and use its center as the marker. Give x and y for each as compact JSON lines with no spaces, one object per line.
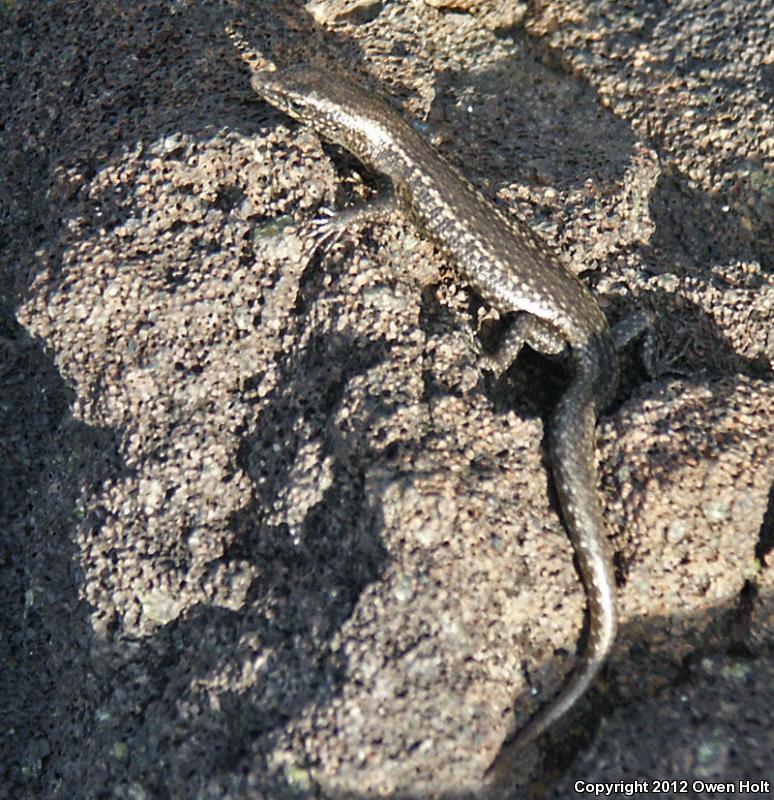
{"x":266,"y":529}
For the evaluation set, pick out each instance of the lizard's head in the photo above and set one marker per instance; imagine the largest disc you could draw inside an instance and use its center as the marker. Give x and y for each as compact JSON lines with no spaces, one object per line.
{"x":332,"y":105}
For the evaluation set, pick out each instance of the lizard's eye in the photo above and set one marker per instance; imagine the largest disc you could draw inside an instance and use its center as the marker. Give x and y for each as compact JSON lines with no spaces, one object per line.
{"x":295,"y":106}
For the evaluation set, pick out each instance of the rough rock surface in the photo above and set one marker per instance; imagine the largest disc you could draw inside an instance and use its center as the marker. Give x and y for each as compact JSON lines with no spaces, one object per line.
{"x":267,"y":529}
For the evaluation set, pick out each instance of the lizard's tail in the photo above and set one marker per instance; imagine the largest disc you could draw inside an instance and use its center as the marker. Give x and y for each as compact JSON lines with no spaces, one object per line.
{"x":575,"y":475}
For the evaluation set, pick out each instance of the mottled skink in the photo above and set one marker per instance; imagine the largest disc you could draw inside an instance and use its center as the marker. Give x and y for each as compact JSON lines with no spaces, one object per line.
{"x":511,"y":270}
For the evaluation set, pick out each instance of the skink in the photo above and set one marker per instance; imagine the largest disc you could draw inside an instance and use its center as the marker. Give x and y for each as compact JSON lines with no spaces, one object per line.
{"x":511,"y":270}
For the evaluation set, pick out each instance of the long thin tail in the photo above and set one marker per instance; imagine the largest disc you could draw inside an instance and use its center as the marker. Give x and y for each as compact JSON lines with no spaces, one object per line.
{"x":575,"y":475}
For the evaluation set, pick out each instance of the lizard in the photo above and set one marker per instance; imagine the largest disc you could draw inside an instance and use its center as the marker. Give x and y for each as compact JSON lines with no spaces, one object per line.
{"x":513,"y":271}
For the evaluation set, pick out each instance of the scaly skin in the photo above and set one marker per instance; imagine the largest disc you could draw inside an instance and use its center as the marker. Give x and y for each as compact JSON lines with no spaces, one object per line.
{"x":512,"y":271}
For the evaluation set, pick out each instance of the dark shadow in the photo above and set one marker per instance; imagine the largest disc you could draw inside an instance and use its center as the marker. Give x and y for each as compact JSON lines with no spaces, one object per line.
{"x":542,"y":126}
{"x":695,"y":228}
{"x":49,"y":462}
{"x":767,"y":80}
